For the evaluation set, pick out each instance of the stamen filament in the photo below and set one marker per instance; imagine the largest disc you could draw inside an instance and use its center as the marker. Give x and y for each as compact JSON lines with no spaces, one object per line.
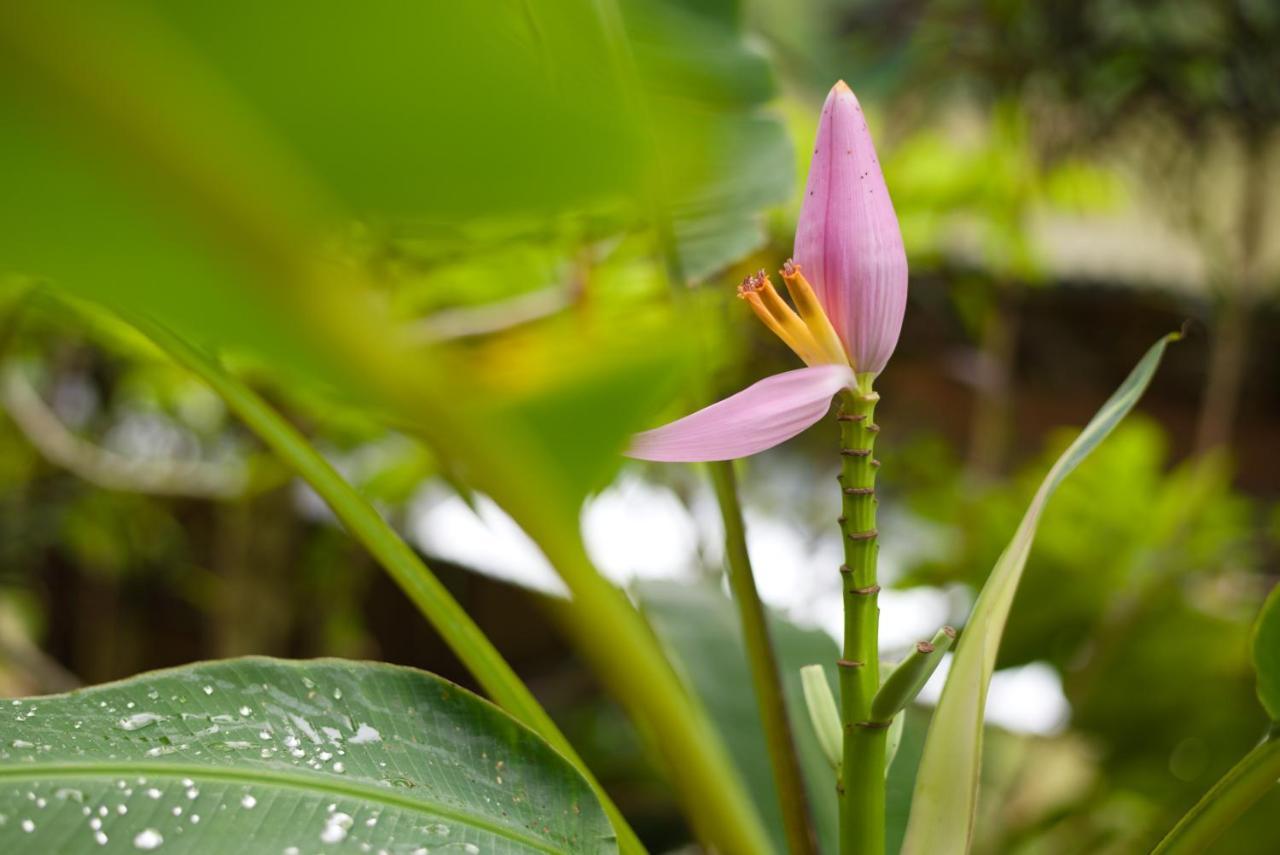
{"x":769,"y":306}
{"x":812,"y":313}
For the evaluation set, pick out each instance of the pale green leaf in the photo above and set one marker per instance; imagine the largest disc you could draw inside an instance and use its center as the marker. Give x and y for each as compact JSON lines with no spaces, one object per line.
{"x":266,"y":756}
{"x":823,"y":714}
{"x":946,"y":793}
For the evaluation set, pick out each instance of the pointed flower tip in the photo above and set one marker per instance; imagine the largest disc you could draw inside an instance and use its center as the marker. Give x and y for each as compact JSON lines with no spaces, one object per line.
{"x":844,"y":98}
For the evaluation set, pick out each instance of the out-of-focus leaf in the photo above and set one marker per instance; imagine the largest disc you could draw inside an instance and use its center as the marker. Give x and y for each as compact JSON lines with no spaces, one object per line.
{"x":699,"y":628}
{"x":440,"y":111}
{"x":131,"y":249}
{"x":266,"y":756}
{"x":1266,"y":654}
{"x":214,"y":196}
{"x":716,"y":220}
{"x":719,"y":160}
{"x":946,"y":796}
{"x":222,"y":169}
{"x":590,"y":399}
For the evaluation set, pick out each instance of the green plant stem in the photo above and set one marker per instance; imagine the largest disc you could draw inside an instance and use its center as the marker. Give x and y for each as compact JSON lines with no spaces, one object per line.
{"x":861,"y":784}
{"x":764,"y":667}
{"x":1244,"y":784}
{"x":467,"y":641}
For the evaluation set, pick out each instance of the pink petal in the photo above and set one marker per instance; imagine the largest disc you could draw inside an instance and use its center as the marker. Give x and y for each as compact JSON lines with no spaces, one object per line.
{"x":760,"y":416}
{"x":847,"y":239}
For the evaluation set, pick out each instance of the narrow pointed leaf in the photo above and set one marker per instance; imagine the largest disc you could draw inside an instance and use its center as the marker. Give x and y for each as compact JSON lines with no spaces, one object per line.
{"x":265,"y":756}
{"x":946,"y":794}
{"x":905,"y":681}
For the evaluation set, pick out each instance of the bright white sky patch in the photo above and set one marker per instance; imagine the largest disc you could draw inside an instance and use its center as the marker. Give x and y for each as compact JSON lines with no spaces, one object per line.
{"x":639,"y":530}
{"x":1026,"y":699}
{"x":485,"y":539}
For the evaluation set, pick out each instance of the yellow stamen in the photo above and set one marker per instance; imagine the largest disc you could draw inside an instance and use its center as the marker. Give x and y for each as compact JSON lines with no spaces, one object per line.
{"x":769,"y":306}
{"x":812,"y":313}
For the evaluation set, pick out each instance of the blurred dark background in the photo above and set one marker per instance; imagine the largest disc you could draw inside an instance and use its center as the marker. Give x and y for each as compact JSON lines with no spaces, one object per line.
{"x":1074,"y":179}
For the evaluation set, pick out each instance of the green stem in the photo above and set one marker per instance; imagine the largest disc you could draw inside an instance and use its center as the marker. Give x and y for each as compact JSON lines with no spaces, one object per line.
{"x":1244,"y":784}
{"x":764,"y":667}
{"x":861,"y":785}
{"x":363,"y":521}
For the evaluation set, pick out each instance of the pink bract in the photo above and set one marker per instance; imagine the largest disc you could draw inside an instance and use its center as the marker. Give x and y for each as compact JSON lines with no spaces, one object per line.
{"x":847,"y":240}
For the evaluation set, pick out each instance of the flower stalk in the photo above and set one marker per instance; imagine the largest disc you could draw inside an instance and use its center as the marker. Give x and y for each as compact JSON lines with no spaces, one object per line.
{"x":860,"y":787}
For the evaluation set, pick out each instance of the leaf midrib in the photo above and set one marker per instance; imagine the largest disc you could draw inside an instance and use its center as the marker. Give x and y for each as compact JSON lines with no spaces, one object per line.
{"x":266,"y":777}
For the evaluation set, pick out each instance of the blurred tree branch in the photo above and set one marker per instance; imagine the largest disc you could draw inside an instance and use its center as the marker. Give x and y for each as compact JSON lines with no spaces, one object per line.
{"x":108,"y":469}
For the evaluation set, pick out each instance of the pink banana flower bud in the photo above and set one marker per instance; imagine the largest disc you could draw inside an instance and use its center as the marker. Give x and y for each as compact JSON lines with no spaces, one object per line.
{"x":849,"y":290}
{"x":847,"y":240}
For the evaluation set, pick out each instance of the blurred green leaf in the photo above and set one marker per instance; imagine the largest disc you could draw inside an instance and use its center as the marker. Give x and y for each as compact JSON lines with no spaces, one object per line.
{"x":435,"y":111}
{"x":719,"y":159}
{"x":945,"y":803}
{"x":717,"y":219}
{"x":217,"y":195}
{"x":580,"y":388}
{"x":1266,"y":654}
{"x":699,"y":628}
{"x":228,"y":172}
{"x":304,"y":753}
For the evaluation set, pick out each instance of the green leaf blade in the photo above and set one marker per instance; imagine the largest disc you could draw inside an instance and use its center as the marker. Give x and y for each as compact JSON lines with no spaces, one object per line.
{"x":260,"y":755}
{"x":699,"y":628}
{"x":944,"y":805}
{"x":1266,"y":654}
